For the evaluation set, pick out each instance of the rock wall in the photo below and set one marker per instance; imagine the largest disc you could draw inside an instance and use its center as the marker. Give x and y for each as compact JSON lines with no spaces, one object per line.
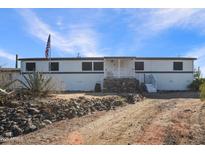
{"x":23,"y":116}
{"x":120,"y":85}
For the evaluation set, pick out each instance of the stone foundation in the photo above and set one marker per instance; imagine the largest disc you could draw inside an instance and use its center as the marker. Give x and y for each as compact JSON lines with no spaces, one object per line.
{"x":120,"y":85}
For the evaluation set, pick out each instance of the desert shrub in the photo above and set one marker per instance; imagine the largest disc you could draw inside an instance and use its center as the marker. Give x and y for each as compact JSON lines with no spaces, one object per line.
{"x":198,"y":80}
{"x":196,"y":83}
{"x":36,"y":84}
{"x":202,"y":91}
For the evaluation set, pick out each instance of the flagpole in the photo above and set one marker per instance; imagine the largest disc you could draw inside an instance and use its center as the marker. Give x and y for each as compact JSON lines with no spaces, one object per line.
{"x":48,"y":53}
{"x":50,"y":56}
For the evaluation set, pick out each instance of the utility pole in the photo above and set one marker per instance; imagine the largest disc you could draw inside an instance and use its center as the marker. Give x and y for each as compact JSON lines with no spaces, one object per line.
{"x":16,"y":61}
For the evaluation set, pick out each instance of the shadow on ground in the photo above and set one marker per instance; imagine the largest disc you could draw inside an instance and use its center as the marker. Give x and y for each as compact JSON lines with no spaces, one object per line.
{"x":158,"y":95}
{"x":171,"y":95}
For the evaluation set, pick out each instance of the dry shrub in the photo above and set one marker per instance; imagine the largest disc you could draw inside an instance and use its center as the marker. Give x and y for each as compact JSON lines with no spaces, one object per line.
{"x":202,"y":92}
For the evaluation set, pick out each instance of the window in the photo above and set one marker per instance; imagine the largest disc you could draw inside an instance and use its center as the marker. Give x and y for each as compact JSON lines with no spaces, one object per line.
{"x":30,"y":66}
{"x":98,"y":66}
{"x":87,"y":66}
{"x":178,"y":66}
{"x":139,"y":65}
{"x":54,"y":66}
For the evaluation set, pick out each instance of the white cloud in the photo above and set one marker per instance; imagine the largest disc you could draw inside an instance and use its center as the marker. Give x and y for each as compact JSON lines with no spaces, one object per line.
{"x":6,"y":55}
{"x":151,"y":22}
{"x":78,"y":39}
{"x":199,"y":53}
{"x":163,"y":19}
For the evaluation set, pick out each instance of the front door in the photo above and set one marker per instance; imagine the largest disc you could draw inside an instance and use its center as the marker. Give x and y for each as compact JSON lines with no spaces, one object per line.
{"x":119,"y":68}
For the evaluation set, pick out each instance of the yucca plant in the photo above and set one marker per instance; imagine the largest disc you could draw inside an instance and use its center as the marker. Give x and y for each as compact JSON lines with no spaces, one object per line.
{"x":36,"y":83}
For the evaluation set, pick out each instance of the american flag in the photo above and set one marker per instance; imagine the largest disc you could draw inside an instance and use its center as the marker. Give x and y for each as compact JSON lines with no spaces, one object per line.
{"x":48,"y":47}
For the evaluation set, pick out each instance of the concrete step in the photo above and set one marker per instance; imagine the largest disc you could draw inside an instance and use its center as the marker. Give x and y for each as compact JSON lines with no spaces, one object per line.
{"x":150,"y":88}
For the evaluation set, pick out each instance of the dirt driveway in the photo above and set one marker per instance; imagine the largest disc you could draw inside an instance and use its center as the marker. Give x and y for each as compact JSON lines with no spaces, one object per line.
{"x":153,"y":121}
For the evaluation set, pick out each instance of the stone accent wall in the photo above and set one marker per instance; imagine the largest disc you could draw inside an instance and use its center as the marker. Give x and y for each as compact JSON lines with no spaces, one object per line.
{"x":120,"y":85}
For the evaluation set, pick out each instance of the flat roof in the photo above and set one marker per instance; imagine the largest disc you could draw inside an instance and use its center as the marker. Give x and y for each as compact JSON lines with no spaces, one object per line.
{"x":61,"y":58}
{"x":9,"y":69}
{"x":102,"y":58}
{"x":119,"y":57}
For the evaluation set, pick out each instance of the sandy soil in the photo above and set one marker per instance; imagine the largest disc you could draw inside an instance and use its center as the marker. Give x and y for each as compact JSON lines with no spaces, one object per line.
{"x":152,"y":121}
{"x":75,"y":95}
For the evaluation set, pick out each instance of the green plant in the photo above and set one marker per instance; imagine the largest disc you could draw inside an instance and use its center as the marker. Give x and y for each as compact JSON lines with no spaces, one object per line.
{"x":36,"y":83}
{"x":197,"y":73}
{"x":202,"y":91}
{"x":198,"y":80}
{"x":195,"y":85}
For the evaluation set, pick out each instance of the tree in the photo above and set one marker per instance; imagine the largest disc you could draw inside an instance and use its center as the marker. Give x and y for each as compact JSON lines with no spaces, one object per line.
{"x":197,"y":73}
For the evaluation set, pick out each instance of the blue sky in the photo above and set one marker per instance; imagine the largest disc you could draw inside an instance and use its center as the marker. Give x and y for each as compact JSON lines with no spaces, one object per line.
{"x":102,"y":32}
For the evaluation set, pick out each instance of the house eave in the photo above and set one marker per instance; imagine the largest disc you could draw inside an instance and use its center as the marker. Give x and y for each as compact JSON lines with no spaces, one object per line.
{"x":61,"y":58}
{"x":102,"y":58}
{"x":10,"y":70}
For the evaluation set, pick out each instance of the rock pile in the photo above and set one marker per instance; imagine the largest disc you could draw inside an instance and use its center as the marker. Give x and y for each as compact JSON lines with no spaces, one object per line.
{"x":119,"y":85}
{"x":21,"y":117}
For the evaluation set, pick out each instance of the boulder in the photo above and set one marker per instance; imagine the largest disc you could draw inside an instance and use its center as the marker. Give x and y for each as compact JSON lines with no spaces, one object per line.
{"x":33,"y":110}
{"x":8,"y":134}
{"x":16,"y":130}
{"x":1,"y":129}
{"x":47,"y":122}
{"x":32,"y":127}
{"x":130,"y":98}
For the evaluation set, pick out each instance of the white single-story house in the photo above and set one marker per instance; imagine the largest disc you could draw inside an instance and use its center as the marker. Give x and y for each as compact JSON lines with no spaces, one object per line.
{"x":82,"y":73}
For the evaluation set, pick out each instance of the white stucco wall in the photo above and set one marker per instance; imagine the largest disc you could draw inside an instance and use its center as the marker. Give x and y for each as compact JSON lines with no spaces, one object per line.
{"x":169,"y":81}
{"x":165,"y":65}
{"x":64,"y":65}
{"x":76,"y":82}
{"x":71,"y":77}
{"x":167,"y":78}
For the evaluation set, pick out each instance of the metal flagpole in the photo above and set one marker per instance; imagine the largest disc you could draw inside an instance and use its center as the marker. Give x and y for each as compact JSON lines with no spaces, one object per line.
{"x":50,"y":55}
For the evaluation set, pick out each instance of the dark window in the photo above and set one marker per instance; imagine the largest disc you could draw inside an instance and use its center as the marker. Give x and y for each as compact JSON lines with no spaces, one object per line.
{"x":54,"y":66}
{"x":139,"y":65}
{"x":178,"y":66}
{"x":87,"y":66}
{"x":30,"y":66}
{"x":98,"y":66}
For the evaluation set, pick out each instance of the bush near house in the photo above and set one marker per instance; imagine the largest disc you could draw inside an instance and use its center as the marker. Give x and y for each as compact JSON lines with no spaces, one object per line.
{"x":196,"y":83}
{"x":198,"y":80}
{"x":202,"y":91}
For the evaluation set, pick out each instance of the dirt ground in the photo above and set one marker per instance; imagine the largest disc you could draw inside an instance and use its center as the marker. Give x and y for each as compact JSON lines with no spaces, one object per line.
{"x":163,"y":119}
